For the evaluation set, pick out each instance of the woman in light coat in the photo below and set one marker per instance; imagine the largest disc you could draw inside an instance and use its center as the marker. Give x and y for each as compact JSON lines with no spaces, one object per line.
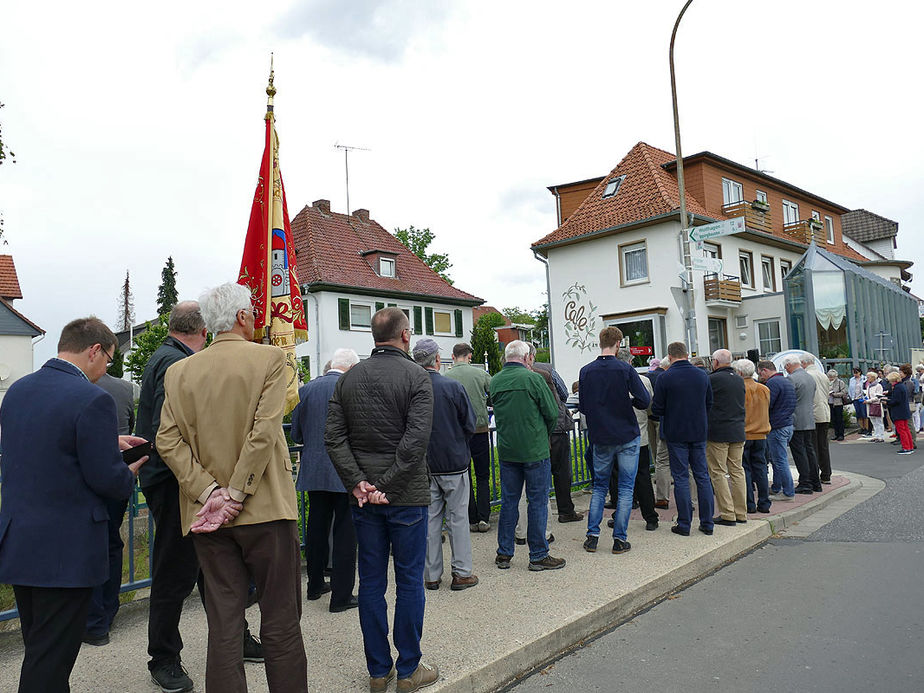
{"x":837,"y":398}
{"x":873,"y":392}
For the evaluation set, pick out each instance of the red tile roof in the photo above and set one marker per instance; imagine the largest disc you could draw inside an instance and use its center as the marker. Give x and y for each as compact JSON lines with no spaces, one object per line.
{"x":9,"y":282}
{"x":648,"y":191}
{"x":330,"y":249}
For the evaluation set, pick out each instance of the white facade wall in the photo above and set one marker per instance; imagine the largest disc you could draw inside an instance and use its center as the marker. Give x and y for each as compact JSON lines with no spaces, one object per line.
{"x":594,"y":266}
{"x":325,"y":335}
{"x":891,"y":273}
{"x":16,"y":354}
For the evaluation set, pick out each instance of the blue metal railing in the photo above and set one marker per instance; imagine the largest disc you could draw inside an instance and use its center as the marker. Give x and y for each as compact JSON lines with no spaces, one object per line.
{"x":137,"y":511}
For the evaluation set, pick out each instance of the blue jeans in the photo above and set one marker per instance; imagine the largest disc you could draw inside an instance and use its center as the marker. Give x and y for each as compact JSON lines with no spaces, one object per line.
{"x":687,"y":457}
{"x":401,"y":531}
{"x":537,"y":477}
{"x":754,"y":461}
{"x":777,"y":445}
{"x":625,"y":456}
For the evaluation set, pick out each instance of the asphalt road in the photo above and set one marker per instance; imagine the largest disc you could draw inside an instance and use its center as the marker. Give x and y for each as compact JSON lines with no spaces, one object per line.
{"x":839,"y":611}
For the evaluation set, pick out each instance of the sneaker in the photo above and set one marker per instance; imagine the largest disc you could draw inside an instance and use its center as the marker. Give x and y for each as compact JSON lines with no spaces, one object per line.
{"x":906,"y":452}
{"x":590,"y":544}
{"x":571,"y":517}
{"x":473,"y":527}
{"x":171,"y":678}
{"x":379,"y":684}
{"x":253,"y":648}
{"x":781,"y":497}
{"x":463,"y":583}
{"x":620,"y":546}
{"x":484,"y":526}
{"x":611,"y":523}
{"x":502,"y":561}
{"x":424,"y":675}
{"x":547,"y":563}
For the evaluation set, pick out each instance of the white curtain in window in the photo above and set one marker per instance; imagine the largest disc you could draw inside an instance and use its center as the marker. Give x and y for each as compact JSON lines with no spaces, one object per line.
{"x":829,"y":298}
{"x":636,"y":264}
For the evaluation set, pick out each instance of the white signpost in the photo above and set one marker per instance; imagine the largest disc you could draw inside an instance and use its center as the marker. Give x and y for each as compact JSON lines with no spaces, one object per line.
{"x":706,"y":264}
{"x":699,"y":234}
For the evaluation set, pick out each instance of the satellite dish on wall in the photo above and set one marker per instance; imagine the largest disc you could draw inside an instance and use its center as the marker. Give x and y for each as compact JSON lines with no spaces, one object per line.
{"x":4,"y":371}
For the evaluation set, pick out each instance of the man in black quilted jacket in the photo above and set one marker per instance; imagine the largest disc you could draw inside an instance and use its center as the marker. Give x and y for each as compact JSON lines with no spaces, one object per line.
{"x":378,"y":429}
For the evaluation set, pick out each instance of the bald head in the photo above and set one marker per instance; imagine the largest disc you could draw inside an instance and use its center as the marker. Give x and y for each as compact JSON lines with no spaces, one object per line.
{"x":722,"y":358}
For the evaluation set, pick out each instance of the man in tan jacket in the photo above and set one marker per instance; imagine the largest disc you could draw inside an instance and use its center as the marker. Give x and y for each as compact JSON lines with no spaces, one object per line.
{"x":756,"y":428}
{"x":221,"y":435}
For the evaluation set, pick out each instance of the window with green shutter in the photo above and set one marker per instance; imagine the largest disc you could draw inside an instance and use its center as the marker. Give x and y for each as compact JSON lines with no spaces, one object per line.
{"x":343,"y":309}
{"x":428,"y":314}
{"x":458,"y":323}
{"x":378,"y":306}
{"x":418,"y":320}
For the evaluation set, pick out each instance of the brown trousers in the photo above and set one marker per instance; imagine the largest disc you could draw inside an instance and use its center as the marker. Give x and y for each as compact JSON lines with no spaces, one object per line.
{"x":730,"y":498}
{"x":268,"y":554}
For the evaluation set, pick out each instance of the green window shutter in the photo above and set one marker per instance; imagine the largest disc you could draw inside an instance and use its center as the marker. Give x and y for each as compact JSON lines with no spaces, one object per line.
{"x":392,"y":305}
{"x":418,"y":320}
{"x":428,"y":313}
{"x":379,"y":306}
{"x":458,"y":323}
{"x":343,"y":306}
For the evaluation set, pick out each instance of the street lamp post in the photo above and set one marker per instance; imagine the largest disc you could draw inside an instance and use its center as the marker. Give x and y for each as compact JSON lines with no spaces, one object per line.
{"x":689,"y":314}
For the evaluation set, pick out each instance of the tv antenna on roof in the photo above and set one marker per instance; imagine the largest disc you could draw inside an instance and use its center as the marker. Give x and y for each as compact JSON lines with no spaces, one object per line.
{"x":346,"y":162}
{"x":758,"y":168}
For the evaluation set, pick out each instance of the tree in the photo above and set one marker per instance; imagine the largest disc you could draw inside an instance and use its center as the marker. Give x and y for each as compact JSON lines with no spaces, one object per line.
{"x":146,"y":344}
{"x":5,"y":153}
{"x":166,"y":293}
{"x":484,"y":339}
{"x":518,"y":315}
{"x":118,"y":360}
{"x":126,"y":306}
{"x":417,"y":241}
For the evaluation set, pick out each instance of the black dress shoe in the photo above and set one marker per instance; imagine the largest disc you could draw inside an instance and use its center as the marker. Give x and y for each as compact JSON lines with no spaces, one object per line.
{"x":705,"y":531}
{"x":351,"y":603}
{"x":722,"y":521}
{"x":806,"y":491}
{"x":313,"y":596}
{"x":817,"y":489}
{"x":520,"y":542}
{"x":682,"y":532}
{"x":609,"y":505}
{"x":95,"y":640}
{"x":651,"y":526}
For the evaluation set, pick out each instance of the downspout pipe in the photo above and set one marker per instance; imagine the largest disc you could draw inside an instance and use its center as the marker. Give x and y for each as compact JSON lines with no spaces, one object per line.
{"x":548,"y":294}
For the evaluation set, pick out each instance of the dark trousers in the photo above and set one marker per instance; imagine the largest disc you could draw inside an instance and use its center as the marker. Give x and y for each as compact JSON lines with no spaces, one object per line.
{"x":479,"y":504}
{"x":52,"y":621}
{"x":822,"y":453}
{"x":804,"y":455}
{"x":268,"y":553}
{"x":686,"y":458}
{"x":326,"y":508}
{"x":104,"y":602}
{"x":560,"y":445}
{"x":643,"y":490}
{"x":754,"y":461}
{"x":174,"y":573}
{"x":837,"y":419}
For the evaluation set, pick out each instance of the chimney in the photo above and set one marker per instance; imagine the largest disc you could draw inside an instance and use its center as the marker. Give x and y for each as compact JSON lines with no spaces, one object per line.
{"x":362,"y":215}
{"x":323,"y":205}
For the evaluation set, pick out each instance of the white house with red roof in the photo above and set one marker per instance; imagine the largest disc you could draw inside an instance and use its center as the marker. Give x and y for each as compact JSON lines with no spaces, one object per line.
{"x":349,"y":267}
{"x":17,"y":332}
{"x":617,"y":257}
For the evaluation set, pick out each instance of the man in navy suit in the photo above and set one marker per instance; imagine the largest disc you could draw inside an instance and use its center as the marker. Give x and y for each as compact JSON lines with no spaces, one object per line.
{"x":328,"y":501}
{"x":56,"y":480}
{"x":682,"y":399}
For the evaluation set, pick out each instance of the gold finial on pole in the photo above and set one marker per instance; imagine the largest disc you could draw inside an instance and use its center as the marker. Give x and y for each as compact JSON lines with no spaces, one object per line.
{"x":270,"y":89}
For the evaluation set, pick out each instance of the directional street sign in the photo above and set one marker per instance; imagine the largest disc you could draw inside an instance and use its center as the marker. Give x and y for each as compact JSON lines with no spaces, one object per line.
{"x":706,"y":264}
{"x":719,"y":228}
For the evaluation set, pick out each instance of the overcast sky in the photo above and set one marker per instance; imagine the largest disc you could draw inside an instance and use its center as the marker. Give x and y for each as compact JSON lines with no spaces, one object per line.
{"x":138,"y":128}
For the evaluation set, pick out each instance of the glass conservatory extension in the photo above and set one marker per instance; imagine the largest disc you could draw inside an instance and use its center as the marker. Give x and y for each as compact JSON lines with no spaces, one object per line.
{"x":847,"y":315}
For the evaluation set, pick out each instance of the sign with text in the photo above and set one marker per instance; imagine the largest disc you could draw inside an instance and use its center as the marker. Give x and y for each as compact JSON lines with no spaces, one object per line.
{"x":641,"y":351}
{"x":719,"y":228}
{"x":706,"y":264}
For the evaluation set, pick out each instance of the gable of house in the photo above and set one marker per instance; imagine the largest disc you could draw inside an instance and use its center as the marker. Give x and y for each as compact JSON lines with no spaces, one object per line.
{"x":15,"y":324}
{"x":9,"y":281}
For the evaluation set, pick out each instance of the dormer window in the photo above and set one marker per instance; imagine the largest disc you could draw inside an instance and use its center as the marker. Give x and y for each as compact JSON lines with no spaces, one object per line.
{"x":613,"y":187}
{"x":386,"y":267}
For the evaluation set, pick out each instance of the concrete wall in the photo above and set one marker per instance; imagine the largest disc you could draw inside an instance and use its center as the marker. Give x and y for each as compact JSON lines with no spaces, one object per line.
{"x":325,"y":335}
{"x":16,"y":353}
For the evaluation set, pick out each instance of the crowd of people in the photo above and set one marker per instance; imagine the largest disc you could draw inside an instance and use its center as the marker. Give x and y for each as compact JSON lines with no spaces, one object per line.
{"x":388,"y":446}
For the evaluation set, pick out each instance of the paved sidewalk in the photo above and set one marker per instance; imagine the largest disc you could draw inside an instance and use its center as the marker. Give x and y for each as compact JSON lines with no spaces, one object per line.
{"x":483,"y":637}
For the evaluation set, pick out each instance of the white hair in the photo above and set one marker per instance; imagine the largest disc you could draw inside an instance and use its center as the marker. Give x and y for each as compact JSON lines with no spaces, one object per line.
{"x":219,"y":306}
{"x":872,"y":373}
{"x":722,"y":356}
{"x":792,"y":360}
{"x":344,"y":359}
{"x":807,"y":359}
{"x":744,"y":368}
{"x":832,"y":372}
{"x":624,"y":355}
{"x":516,"y":350}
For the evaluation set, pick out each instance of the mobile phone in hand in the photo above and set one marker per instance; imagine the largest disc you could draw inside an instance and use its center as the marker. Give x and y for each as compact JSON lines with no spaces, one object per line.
{"x":136,"y":453}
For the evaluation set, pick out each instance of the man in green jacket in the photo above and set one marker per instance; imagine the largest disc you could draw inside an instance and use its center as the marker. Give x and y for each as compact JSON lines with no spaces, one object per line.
{"x":525,"y":412}
{"x":476,"y":382}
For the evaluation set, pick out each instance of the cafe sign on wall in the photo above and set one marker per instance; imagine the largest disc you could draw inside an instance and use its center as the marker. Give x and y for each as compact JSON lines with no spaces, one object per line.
{"x":580,"y":318}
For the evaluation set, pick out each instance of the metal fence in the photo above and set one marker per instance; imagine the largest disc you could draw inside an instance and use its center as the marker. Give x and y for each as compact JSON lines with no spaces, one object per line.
{"x":140,"y":523}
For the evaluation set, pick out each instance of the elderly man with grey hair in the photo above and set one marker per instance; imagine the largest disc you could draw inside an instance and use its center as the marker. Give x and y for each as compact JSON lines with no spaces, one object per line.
{"x":328,"y":500}
{"x":756,"y":428}
{"x":447,"y":458}
{"x":802,"y":444}
{"x":822,"y":414}
{"x":221,"y":435}
{"x":725,"y":441}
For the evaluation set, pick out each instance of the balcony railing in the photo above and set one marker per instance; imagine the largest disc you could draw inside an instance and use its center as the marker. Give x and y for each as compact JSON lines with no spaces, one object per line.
{"x":756,"y":214}
{"x":805,"y":231}
{"x":725,"y":288}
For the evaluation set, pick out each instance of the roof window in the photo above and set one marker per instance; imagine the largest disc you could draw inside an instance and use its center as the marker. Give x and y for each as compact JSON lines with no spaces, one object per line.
{"x":613,"y":187}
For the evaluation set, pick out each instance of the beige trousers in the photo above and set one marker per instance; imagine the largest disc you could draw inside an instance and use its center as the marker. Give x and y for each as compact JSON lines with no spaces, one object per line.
{"x":722,"y":459}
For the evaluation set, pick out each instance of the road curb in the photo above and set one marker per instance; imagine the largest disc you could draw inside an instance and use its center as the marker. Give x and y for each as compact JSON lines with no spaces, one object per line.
{"x":496,"y":674}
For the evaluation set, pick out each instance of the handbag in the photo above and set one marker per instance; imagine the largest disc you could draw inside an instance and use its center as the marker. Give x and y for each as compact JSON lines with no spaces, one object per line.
{"x":874,"y":408}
